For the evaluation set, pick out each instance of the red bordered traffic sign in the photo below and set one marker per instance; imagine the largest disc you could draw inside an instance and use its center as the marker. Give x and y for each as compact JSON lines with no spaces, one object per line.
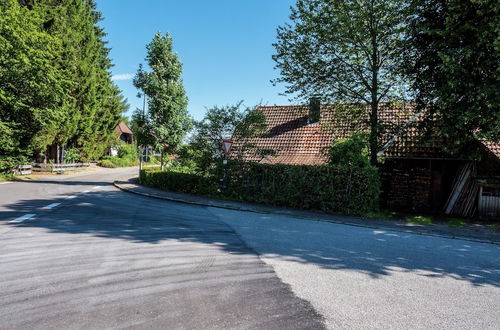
{"x":226,"y":145}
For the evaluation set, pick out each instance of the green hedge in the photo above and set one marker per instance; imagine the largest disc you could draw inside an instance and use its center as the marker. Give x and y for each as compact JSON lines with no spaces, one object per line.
{"x":343,"y":189}
{"x":349,"y":190}
{"x":178,"y":182}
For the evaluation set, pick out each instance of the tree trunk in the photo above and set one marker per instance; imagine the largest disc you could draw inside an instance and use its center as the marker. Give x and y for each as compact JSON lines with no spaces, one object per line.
{"x":161,"y":159}
{"x":374,"y":99}
{"x":373,"y":132}
{"x":58,"y":158}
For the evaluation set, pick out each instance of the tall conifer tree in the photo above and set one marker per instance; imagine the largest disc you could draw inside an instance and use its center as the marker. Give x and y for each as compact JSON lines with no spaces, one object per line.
{"x":93,"y":103}
{"x":32,"y":83}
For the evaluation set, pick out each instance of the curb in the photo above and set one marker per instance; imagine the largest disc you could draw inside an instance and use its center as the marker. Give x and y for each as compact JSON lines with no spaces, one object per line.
{"x":178,"y":200}
{"x":230,"y":207}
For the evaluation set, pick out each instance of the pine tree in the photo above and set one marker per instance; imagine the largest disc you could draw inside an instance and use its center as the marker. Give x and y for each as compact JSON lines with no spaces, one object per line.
{"x":55,"y":81}
{"x":93,"y":103}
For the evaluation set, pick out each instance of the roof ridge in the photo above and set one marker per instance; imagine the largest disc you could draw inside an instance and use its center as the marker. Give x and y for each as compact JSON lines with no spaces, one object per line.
{"x":331,"y":104}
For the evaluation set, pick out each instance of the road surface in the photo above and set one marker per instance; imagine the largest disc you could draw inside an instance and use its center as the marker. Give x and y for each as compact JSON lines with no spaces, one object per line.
{"x":103,"y":258}
{"x":76,"y":253}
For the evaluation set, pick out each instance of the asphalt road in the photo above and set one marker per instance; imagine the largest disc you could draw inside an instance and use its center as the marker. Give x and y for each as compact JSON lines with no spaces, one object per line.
{"x":103,"y":258}
{"x":364,"y":278}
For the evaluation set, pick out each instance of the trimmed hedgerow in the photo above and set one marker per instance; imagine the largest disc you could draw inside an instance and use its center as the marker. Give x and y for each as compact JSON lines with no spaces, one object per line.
{"x":178,"y":181}
{"x":329,"y":188}
{"x":349,"y":190}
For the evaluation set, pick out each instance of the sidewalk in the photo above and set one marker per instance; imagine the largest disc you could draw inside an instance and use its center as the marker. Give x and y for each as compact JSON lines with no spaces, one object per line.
{"x":477,"y":233}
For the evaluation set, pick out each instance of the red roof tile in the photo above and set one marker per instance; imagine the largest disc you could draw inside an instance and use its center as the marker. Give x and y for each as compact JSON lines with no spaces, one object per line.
{"x":295,"y":141}
{"x":493,"y":147}
{"x":122,"y":128}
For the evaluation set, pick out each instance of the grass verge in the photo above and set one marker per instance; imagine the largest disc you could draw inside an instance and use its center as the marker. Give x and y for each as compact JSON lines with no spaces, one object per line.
{"x":7,"y":177}
{"x":456,"y":223}
{"x":380,"y":215}
{"x":419,"y":219}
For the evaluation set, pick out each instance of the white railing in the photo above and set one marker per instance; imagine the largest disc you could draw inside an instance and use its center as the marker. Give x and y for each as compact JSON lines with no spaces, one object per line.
{"x":23,"y":170}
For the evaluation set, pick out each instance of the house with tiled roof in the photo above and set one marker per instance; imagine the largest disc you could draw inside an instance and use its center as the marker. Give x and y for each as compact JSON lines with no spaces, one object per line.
{"x":124,"y":133}
{"x":417,"y":172}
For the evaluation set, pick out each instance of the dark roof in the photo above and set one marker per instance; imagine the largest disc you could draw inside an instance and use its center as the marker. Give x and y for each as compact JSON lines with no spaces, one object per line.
{"x":122,"y":128}
{"x":295,"y":141}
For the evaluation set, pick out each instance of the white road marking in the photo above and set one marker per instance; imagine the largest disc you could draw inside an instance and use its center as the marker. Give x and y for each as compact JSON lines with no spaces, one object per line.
{"x":96,"y":187}
{"x":50,"y":206}
{"x":5,"y":182}
{"x":70,"y":197}
{"x":21,"y":219}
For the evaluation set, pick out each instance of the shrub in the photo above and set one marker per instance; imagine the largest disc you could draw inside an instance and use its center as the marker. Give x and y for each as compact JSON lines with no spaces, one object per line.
{"x":8,"y":164}
{"x":127,"y":151}
{"x":348,"y":184}
{"x":113,"y":161}
{"x":352,"y":151}
{"x":106,"y":163}
{"x":72,"y":155}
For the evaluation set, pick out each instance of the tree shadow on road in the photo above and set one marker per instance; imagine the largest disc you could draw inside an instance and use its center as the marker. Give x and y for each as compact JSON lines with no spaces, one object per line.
{"x":377,"y":253}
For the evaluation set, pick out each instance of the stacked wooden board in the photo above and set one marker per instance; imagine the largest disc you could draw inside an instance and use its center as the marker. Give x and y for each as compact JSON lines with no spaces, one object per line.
{"x":463,"y":196}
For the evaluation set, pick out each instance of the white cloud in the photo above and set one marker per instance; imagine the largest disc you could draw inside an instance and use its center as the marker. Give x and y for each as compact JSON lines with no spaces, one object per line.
{"x":122,"y":76}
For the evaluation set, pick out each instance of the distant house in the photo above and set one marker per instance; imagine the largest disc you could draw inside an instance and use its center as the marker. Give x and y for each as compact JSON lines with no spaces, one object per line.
{"x":417,"y":174}
{"x":124,"y":133}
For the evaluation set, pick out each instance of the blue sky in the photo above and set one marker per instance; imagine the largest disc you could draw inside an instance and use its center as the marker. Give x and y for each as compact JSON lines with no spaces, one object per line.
{"x":225,"y":46}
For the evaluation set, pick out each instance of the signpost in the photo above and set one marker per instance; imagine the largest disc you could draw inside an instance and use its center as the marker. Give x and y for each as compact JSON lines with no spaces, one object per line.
{"x":226,"y":146}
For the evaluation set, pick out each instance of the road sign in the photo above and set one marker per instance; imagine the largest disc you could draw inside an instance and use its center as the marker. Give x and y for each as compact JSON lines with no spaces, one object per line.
{"x":226,"y":145}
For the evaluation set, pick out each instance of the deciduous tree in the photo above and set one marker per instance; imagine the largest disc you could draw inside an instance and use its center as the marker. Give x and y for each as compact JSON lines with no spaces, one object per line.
{"x":455,"y":63}
{"x":345,"y":51}
{"x":167,"y":121}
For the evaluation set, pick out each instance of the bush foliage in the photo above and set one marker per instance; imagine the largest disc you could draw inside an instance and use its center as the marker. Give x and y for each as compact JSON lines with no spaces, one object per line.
{"x":343,"y":189}
{"x":128,"y":151}
{"x":8,"y":164}
{"x":335,"y":188}
{"x":178,"y":181}
{"x":72,"y":155}
{"x":127,"y":156}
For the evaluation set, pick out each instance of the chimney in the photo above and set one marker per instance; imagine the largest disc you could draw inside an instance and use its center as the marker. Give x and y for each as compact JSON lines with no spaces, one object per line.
{"x":314,"y":109}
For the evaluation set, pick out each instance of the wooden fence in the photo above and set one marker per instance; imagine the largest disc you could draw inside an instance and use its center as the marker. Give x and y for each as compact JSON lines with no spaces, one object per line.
{"x":60,"y":168}
{"x":23,"y":170}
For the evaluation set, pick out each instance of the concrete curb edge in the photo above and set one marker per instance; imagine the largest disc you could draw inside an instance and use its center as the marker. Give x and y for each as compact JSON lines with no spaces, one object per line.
{"x":229,"y":207}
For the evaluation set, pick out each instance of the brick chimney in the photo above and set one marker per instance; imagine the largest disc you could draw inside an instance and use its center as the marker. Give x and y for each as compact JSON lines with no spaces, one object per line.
{"x":314,"y":109}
